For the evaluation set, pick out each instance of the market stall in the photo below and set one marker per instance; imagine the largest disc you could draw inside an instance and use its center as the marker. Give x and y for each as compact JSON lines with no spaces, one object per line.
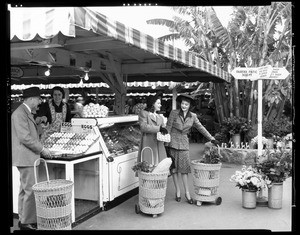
{"x":75,"y":42}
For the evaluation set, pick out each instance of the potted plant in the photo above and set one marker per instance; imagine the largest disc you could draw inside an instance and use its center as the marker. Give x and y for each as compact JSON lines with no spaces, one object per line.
{"x":276,"y":166}
{"x":206,"y":175}
{"x":275,"y":129}
{"x":254,"y":140}
{"x":236,"y":126}
{"x":288,"y":140}
{"x":250,"y":181}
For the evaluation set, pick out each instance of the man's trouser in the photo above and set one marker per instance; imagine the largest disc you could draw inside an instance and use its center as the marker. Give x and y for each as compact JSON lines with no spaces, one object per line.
{"x":26,"y":200}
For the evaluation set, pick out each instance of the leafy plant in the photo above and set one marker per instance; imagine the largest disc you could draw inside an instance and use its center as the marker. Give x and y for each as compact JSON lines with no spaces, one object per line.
{"x":143,"y":166}
{"x":236,"y":125}
{"x":276,"y":165}
{"x":211,"y":155}
{"x":276,"y":127}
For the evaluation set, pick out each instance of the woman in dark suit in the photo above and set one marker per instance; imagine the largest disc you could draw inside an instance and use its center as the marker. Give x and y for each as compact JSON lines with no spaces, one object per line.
{"x":150,"y":123}
{"x":178,"y":125}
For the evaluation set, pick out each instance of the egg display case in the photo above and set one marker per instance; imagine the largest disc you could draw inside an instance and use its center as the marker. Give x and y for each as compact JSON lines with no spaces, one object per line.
{"x":119,"y":140}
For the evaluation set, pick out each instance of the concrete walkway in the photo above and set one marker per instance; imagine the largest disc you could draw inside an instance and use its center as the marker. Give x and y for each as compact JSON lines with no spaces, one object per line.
{"x":230,"y":215}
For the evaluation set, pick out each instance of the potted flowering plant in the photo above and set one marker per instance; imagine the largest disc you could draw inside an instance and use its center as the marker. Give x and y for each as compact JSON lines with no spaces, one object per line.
{"x":236,"y":126}
{"x":253,"y":142}
{"x":288,"y":139}
{"x":276,"y":166}
{"x":250,"y":181}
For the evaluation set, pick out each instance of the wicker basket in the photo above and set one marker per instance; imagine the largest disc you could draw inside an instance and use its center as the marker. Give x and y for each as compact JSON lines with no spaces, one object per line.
{"x":152,"y":190}
{"x":206,"y":178}
{"x":53,"y":202}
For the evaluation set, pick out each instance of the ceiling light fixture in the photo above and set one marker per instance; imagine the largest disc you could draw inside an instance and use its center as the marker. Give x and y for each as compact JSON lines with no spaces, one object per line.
{"x":86,"y":76}
{"x":47,"y":72}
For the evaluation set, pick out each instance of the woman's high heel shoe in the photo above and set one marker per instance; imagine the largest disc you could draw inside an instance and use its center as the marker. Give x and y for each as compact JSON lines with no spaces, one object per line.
{"x":190,"y":201}
{"x":177,"y":199}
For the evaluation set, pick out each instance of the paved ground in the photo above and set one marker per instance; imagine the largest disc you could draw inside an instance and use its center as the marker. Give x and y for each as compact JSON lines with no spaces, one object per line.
{"x":183,"y":216}
{"x":230,"y":215}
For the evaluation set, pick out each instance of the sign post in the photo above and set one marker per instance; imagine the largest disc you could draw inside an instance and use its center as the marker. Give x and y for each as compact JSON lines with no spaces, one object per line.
{"x":259,"y":74}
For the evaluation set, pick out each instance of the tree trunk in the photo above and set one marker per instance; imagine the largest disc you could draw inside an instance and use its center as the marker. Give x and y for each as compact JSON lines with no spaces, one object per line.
{"x":280,"y":109}
{"x":230,"y":95}
{"x":236,"y":98}
{"x":251,"y":102}
{"x":224,"y":98}
{"x":218,"y":104}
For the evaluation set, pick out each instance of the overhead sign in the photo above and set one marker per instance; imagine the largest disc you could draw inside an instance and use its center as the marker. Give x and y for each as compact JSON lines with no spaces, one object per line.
{"x":264,"y":72}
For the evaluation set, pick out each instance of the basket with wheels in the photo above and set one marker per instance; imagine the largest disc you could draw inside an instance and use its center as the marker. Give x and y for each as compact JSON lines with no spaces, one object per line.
{"x":206,"y":178}
{"x":53,"y":202}
{"x":152,"y":191}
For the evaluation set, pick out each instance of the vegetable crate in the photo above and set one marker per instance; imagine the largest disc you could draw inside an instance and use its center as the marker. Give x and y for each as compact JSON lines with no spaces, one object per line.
{"x":152,"y":191}
{"x":53,"y":202}
{"x":206,"y":178}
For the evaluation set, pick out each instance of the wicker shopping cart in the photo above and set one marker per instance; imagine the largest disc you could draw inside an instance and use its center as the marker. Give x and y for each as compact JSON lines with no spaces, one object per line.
{"x":53,"y":202}
{"x":152,"y":191}
{"x":206,"y":179}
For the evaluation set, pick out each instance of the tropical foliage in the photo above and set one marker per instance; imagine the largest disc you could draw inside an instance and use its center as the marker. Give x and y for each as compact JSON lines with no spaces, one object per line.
{"x":255,"y":36}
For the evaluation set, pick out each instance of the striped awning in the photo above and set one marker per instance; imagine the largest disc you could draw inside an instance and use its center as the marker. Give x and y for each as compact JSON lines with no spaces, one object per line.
{"x":102,"y":25}
{"x":29,"y":23}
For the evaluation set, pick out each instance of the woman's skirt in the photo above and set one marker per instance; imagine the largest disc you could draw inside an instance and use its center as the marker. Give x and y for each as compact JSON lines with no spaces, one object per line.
{"x":181,"y":159}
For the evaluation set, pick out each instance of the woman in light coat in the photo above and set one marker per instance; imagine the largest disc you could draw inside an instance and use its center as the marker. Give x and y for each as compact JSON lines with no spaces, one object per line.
{"x":178,"y":125}
{"x":150,"y":123}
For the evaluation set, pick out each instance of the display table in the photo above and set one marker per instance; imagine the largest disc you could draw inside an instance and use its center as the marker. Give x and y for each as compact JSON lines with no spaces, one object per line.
{"x":69,"y":174}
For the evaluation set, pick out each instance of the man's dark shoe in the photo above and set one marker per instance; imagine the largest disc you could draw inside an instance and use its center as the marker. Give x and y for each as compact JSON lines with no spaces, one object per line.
{"x":27,"y":226}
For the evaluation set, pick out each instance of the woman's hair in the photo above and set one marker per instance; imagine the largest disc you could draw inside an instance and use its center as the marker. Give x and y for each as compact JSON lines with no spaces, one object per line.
{"x":58,"y":88}
{"x":151,"y":101}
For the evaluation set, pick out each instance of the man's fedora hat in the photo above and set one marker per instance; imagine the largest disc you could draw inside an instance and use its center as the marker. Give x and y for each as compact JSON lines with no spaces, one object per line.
{"x":31,"y":92}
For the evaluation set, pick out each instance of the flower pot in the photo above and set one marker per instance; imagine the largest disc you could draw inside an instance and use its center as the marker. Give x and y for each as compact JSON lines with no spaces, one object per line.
{"x":270,"y":143}
{"x":236,"y":139}
{"x":289,"y":144}
{"x":248,"y":199}
{"x":275,"y":195}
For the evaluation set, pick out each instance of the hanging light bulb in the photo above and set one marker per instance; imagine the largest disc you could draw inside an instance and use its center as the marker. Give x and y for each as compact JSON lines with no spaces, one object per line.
{"x":86,"y":76}
{"x":47,"y":72}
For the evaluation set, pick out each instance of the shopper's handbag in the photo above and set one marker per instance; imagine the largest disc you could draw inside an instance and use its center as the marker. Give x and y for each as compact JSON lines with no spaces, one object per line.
{"x":163,"y":138}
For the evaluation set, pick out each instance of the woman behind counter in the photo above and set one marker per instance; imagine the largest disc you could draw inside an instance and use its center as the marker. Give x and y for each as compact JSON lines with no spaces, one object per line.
{"x":55,"y":110}
{"x":178,"y":125}
{"x":150,"y":123}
